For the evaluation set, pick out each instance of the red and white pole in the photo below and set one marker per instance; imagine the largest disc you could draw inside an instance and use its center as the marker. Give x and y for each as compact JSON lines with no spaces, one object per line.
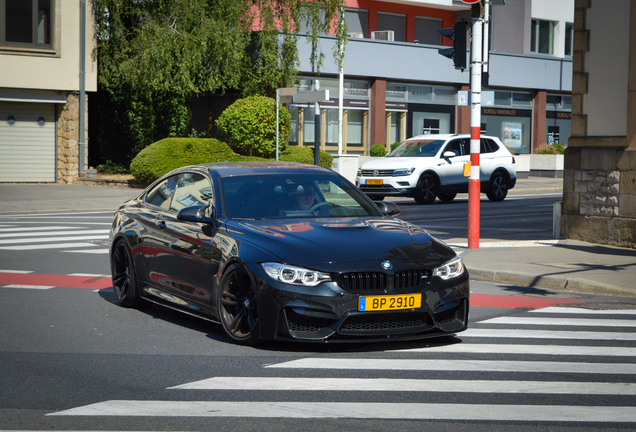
{"x":474,"y":183}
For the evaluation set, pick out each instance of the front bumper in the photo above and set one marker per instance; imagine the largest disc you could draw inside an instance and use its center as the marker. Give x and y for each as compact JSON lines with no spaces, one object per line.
{"x":329,"y":313}
{"x":391,"y":186}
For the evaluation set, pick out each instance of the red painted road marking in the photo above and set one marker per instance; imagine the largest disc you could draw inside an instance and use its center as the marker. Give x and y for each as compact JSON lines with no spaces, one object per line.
{"x":89,"y":282}
{"x":490,"y":300}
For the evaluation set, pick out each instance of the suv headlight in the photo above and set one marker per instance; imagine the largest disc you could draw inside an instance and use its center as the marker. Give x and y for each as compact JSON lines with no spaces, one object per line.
{"x":359,"y":172}
{"x":450,"y":269}
{"x":294,"y":275}
{"x":403,"y":172}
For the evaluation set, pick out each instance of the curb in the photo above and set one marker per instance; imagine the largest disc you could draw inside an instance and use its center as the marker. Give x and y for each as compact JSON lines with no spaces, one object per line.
{"x":548,"y":282}
{"x":129,"y":184}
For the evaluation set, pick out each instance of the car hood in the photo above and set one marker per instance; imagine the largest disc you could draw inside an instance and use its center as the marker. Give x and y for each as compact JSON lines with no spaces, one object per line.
{"x":334,"y":244}
{"x":398,"y":162}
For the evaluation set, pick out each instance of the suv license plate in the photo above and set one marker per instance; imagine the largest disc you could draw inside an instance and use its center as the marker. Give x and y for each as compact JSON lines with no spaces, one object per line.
{"x":389,"y":302}
{"x":375,"y":182}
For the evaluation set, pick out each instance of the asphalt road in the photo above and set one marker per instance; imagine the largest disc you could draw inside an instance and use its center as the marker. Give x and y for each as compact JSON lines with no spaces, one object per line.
{"x":71,"y":359}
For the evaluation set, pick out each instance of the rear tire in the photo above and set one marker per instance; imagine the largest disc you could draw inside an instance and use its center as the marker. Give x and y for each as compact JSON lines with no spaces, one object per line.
{"x":498,"y":187}
{"x":426,"y":190}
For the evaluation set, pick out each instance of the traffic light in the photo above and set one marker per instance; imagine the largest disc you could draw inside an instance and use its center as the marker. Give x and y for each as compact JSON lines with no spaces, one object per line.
{"x":457,"y":34}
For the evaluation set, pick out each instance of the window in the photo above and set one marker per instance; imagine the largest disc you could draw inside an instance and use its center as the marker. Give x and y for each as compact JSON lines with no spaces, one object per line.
{"x":426,"y":31}
{"x":356,"y":21}
{"x":161,"y":195}
{"x":569,"y":39}
{"x":192,"y":189}
{"x":542,"y":37}
{"x":395,"y":22}
{"x":26,"y":22}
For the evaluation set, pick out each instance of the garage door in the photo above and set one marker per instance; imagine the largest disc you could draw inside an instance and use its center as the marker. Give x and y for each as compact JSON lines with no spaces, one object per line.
{"x":27,"y":142}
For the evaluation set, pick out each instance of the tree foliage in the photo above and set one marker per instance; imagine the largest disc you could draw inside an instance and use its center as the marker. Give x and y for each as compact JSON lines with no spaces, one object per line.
{"x":250,"y":126}
{"x":154,"y":55}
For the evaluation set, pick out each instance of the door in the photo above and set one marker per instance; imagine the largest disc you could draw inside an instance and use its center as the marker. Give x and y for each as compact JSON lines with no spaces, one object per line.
{"x":452,"y":169}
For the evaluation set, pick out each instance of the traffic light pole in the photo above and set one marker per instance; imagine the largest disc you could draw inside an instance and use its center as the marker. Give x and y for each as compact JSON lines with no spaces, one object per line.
{"x":474,"y":183}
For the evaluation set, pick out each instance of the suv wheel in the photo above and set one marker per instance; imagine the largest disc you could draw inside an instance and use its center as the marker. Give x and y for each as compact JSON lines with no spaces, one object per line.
{"x":446,"y":196}
{"x":426,"y":190}
{"x":498,"y":187}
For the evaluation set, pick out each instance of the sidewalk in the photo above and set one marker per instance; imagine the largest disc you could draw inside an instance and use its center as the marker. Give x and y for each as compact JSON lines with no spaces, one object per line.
{"x":553,"y":264}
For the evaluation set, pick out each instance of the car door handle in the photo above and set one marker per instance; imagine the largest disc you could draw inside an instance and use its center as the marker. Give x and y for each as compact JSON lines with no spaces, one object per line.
{"x":160,"y":224}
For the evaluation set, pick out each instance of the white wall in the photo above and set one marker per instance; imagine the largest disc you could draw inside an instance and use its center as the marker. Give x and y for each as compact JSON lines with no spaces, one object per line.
{"x":55,"y":73}
{"x":559,"y":11}
{"x":607,"y":65}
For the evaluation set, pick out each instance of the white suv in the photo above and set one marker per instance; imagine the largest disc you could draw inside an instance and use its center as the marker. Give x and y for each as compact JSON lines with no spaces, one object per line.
{"x":429,"y":166}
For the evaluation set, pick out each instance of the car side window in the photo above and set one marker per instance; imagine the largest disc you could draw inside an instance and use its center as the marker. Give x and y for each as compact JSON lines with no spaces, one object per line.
{"x":458,"y":147}
{"x":161,"y":195}
{"x":488,"y":146}
{"x":192,"y":189}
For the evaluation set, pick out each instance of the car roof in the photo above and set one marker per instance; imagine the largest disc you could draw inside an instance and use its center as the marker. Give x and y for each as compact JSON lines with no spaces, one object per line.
{"x":229,"y":169}
{"x":444,"y":137}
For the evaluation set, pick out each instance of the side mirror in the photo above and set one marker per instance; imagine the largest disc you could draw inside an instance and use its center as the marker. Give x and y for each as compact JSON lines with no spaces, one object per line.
{"x":448,"y":155}
{"x":197,"y":213}
{"x":388,"y":208}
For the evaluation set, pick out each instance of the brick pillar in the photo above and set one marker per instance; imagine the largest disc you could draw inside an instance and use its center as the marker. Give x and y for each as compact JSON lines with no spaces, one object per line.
{"x":538,"y":120}
{"x":377,"y":132}
{"x":463,"y":115}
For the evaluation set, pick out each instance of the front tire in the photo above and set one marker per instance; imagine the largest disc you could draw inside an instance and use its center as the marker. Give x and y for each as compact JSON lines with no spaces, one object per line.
{"x":123,"y":274}
{"x":446,"y":196}
{"x":237,"y":306}
{"x":498,"y":187}
{"x":426,"y":190}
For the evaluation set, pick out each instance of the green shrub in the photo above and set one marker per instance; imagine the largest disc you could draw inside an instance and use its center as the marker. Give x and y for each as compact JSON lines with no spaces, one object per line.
{"x":551,"y":149}
{"x":250,"y":126}
{"x":377,"y":150}
{"x":163,"y":156}
{"x":111,"y":167}
{"x":305,"y":155}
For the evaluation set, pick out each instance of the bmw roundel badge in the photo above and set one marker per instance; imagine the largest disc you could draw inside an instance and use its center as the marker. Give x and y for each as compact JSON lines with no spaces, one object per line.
{"x":386,"y":265}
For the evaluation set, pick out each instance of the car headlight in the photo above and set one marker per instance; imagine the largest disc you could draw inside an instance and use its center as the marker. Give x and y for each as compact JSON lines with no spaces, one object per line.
{"x":359,"y":172}
{"x":403,"y":172}
{"x":450,"y":269}
{"x":294,"y":275}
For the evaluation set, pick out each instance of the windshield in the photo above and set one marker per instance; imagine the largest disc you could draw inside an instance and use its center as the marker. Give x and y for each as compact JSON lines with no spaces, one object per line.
{"x":417,"y":148}
{"x":275,"y":196}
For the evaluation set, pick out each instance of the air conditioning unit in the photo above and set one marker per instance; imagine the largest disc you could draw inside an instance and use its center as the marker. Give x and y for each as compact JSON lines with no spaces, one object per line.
{"x":355,"y":35}
{"x":386,"y":35}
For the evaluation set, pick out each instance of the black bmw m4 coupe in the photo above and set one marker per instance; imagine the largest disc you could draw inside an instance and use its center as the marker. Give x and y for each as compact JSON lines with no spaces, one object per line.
{"x":284,"y":251}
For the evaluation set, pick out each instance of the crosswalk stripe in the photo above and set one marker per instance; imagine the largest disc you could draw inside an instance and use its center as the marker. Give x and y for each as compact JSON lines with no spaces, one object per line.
{"x":557,"y":350}
{"x":55,"y":239}
{"x":568,"y":322}
{"x":545,"y":334}
{"x":47,"y":246}
{"x":44,"y":235}
{"x":410,"y":385}
{"x":37,"y":287}
{"x":45,"y":228}
{"x":356,"y":410}
{"x":459,"y":365}
{"x":572,"y":310}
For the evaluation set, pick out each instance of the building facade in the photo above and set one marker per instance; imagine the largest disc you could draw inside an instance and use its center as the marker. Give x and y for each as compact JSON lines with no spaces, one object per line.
{"x":599,"y":188}
{"x":40,"y":88}
{"x":397,"y":85}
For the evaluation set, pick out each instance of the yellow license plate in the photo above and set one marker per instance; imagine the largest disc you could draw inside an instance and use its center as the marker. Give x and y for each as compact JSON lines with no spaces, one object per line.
{"x":389,"y":302}
{"x":375,"y":182}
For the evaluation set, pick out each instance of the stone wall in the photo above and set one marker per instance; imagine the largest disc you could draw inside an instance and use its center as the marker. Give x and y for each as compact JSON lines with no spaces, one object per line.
{"x":599,"y":195}
{"x":68,"y":139}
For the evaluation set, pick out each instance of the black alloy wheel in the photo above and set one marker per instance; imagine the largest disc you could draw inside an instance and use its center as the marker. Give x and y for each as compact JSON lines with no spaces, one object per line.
{"x":446,"y":196}
{"x":426,"y":190}
{"x":498,"y":187}
{"x":123,"y":274}
{"x":237,"y":306}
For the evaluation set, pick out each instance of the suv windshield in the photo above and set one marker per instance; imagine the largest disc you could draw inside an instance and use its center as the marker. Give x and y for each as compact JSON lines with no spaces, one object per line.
{"x":419,"y":148}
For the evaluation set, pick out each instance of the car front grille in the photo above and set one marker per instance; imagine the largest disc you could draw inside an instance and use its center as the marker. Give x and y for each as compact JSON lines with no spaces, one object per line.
{"x":305,"y":324}
{"x":376,"y":323}
{"x":364,"y":281}
{"x":377,"y":188}
{"x":446,"y":316}
{"x":411,"y":280}
{"x":377,"y":173}
{"x":378,"y":282}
